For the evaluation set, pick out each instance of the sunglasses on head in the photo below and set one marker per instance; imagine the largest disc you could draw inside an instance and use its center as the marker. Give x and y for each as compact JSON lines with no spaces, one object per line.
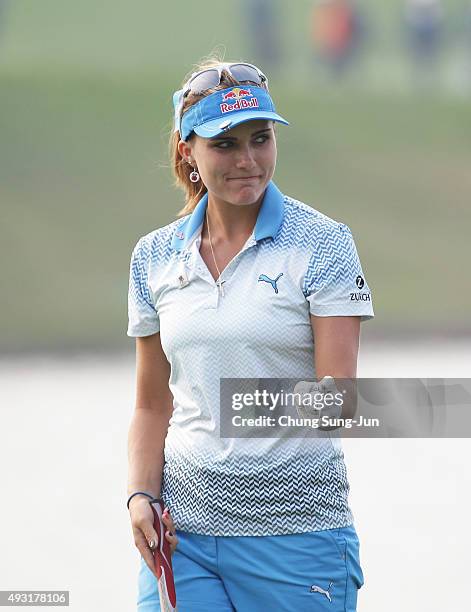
{"x":201,"y":81}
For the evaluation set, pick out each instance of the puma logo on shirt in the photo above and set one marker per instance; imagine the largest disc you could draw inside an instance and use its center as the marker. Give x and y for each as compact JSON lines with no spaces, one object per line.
{"x":266,"y":279}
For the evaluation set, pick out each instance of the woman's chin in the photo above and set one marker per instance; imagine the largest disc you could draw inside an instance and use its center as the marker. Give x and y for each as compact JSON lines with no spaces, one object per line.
{"x":245,"y":195}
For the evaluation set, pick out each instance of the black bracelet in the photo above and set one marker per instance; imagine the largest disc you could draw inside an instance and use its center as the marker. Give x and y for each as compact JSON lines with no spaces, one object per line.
{"x":140,"y":493}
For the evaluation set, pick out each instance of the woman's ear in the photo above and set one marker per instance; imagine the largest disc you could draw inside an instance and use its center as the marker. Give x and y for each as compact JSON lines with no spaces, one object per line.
{"x":185,"y":150}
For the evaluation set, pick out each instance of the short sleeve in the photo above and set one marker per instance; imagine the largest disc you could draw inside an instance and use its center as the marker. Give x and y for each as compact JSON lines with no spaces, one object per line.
{"x":142,"y":315}
{"x":334,"y":283}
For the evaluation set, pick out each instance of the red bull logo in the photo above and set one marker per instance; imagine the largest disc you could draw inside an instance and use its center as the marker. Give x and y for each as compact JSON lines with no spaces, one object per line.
{"x":235,"y":100}
{"x":236,"y":93}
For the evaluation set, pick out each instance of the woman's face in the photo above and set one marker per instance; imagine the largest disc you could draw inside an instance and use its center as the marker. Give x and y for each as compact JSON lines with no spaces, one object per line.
{"x":236,"y":166}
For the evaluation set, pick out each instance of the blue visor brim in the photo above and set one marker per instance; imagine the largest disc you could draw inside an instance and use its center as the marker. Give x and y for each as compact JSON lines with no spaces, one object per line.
{"x":213,"y":128}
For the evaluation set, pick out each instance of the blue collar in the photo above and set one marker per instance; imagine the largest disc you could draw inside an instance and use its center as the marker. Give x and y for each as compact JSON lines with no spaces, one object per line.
{"x":269,"y":220}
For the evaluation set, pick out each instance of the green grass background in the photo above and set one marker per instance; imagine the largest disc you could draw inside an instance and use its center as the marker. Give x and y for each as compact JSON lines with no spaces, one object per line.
{"x":85,"y":109}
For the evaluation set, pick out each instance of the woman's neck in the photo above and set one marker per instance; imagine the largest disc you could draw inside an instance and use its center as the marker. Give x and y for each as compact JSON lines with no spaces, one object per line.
{"x":231,"y":221}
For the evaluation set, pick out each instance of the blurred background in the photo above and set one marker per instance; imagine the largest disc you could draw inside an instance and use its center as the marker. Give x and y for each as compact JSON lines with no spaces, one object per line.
{"x":380,"y":138}
{"x":378,"y":93}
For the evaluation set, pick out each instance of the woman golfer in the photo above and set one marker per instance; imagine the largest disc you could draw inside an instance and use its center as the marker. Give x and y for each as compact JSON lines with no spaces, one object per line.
{"x":247,"y":284}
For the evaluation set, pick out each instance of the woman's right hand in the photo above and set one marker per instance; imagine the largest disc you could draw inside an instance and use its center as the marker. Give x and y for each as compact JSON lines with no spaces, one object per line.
{"x":145,"y":537}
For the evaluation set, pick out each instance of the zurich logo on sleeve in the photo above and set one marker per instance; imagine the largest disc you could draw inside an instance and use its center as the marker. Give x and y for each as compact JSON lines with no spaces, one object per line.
{"x":360,"y":281}
{"x":360,"y":297}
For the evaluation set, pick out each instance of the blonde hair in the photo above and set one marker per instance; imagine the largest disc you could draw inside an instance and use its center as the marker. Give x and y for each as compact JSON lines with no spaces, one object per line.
{"x":181,"y":168}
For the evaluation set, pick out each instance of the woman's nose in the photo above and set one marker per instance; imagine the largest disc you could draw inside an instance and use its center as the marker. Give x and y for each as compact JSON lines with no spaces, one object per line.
{"x":245,"y":158}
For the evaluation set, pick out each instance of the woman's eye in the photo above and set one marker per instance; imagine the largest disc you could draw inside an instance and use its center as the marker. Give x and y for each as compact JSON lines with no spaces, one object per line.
{"x":226,"y":144}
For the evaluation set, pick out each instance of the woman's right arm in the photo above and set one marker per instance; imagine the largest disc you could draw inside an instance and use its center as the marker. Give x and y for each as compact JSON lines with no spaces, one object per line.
{"x":149,"y":425}
{"x":146,"y":439}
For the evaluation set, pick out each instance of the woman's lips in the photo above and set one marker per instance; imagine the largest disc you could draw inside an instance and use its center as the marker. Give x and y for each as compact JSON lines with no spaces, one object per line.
{"x":243,"y":178}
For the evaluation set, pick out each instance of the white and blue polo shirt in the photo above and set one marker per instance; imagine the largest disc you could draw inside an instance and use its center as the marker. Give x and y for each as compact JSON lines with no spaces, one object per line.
{"x":296,"y":262}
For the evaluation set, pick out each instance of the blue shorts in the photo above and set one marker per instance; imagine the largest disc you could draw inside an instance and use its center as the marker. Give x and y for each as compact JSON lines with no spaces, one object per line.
{"x":317,"y":571}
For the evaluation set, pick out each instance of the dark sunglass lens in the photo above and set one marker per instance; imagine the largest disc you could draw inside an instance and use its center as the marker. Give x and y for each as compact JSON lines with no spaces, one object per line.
{"x":244,"y":73}
{"x":205,"y":80}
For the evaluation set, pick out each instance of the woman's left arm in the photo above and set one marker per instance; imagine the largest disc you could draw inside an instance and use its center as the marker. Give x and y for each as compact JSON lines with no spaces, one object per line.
{"x":336,"y":343}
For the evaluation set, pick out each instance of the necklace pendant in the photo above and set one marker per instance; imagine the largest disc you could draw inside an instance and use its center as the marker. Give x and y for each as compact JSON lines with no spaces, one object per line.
{"x":220,"y":285}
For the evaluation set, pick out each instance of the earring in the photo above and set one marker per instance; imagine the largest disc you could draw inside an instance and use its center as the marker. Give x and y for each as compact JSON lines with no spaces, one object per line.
{"x":194,"y":176}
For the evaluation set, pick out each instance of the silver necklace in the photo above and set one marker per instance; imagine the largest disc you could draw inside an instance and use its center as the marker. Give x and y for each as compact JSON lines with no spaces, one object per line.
{"x":219,"y":283}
